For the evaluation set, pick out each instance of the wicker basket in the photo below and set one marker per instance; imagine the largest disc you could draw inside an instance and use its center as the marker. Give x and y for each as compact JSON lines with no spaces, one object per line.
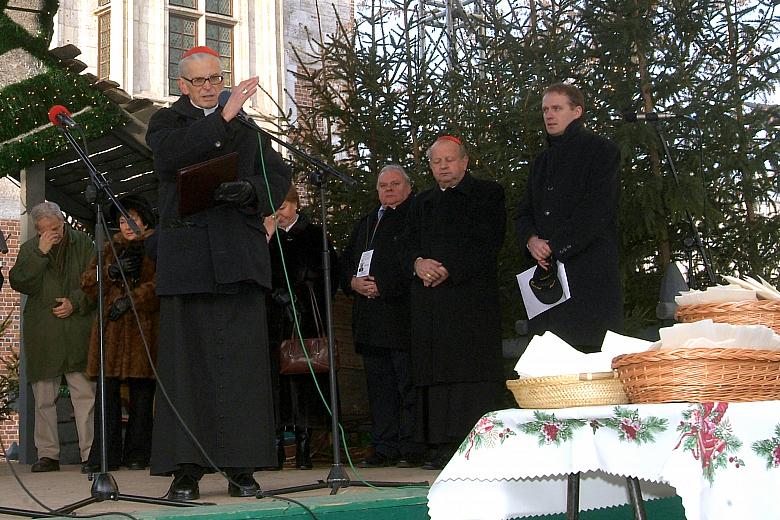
{"x":753,"y":312}
{"x":568,"y":390}
{"x":700,"y":375}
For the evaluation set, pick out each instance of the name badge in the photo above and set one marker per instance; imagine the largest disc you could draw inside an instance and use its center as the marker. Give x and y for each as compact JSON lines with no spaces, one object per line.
{"x":364,"y":266}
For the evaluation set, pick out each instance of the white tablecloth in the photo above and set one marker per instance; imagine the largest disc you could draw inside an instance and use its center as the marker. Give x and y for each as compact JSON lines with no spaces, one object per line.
{"x":722,"y":459}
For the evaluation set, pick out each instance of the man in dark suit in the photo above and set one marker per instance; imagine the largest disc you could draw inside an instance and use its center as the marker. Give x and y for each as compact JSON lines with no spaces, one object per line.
{"x":569,"y":213}
{"x":453,"y":235}
{"x":381,"y":320}
{"x":213,"y":268}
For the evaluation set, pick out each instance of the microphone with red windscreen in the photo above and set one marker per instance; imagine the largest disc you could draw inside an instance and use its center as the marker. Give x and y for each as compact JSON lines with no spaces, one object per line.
{"x":60,"y":116}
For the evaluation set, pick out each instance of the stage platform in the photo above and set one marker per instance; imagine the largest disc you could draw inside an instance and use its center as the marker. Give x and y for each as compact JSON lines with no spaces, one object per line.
{"x":58,"y":489}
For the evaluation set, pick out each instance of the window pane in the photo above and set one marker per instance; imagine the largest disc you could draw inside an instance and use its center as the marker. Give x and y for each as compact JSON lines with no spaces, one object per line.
{"x":183,"y":3}
{"x":104,"y":45}
{"x":219,"y":7}
{"x":220,"y":38}
{"x":181,"y":37}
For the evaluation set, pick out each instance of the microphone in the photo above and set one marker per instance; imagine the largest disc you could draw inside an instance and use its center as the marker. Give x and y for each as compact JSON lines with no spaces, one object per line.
{"x":633,"y":117}
{"x":241,"y":116}
{"x":60,"y":116}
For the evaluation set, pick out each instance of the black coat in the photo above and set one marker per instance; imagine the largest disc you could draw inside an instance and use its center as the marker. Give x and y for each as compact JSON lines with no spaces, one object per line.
{"x":571,"y":200}
{"x":456,"y":326}
{"x":381,"y":322}
{"x":297,"y":400}
{"x":302,"y":246}
{"x":222,"y":245}
{"x":212,"y":268}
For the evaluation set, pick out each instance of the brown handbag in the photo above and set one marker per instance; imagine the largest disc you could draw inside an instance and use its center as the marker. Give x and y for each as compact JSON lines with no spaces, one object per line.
{"x":292,"y":358}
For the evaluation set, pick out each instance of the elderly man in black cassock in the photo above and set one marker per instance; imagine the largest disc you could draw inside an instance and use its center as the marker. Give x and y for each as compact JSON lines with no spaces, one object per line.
{"x":569,"y":213}
{"x":454,"y":233}
{"x":213,"y":269}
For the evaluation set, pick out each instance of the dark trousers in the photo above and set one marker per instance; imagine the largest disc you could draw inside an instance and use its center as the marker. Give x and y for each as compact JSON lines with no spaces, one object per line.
{"x":391,"y":398}
{"x":138,"y":434}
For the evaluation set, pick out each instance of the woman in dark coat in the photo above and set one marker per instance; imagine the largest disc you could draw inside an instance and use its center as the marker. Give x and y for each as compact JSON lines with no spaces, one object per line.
{"x":126,"y":358}
{"x":298,"y":404}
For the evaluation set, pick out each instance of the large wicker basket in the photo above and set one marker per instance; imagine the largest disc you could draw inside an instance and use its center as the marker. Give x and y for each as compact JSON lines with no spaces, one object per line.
{"x":568,"y":390}
{"x":700,"y":375}
{"x":753,"y":312}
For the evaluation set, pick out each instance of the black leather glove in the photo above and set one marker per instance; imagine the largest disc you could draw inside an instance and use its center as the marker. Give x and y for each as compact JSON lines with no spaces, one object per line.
{"x":240,"y":193}
{"x":283,"y":299}
{"x":131,"y":265}
{"x":119,"y":307}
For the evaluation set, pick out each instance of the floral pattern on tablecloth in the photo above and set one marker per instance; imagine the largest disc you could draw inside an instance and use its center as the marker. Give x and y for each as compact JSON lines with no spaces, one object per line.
{"x":488,"y":432}
{"x":769,"y":449}
{"x":631,"y":427}
{"x":707,"y":434}
{"x":551,"y":430}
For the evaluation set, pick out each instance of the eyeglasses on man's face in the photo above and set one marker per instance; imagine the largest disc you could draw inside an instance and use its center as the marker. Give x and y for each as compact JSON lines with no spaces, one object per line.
{"x":214,"y":79}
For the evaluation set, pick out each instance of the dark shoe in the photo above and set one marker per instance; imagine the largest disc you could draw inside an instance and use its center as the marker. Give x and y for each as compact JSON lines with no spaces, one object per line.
{"x":435,"y":464}
{"x":302,"y":449}
{"x":377,"y":460}
{"x":45,"y":464}
{"x":409,"y":461}
{"x":183,"y":488}
{"x":245,"y":486}
{"x":85,"y":468}
{"x":136,"y":466}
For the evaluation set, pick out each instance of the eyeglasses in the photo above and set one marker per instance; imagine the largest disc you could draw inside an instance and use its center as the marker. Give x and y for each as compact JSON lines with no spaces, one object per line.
{"x":215,"y":79}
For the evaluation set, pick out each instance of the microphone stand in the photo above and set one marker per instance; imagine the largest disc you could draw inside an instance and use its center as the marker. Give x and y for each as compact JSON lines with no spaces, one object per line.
{"x":104,"y":487}
{"x":337,"y":477}
{"x":693,"y":238}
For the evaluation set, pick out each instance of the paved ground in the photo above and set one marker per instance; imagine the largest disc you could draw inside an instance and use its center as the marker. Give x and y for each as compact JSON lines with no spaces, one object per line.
{"x":57,"y":489}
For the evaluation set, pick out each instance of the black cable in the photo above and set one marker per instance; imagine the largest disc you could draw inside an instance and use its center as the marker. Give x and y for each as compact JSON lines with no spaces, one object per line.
{"x":37,"y":501}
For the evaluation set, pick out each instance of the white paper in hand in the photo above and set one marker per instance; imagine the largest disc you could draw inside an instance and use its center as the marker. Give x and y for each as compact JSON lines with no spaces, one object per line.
{"x":533,"y":307}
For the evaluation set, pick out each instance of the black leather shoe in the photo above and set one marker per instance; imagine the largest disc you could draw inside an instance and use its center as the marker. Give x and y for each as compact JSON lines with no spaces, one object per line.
{"x":85,"y":469}
{"x":409,"y":461}
{"x":377,"y":460}
{"x":435,"y":464}
{"x":136,"y":465}
{"x":245,"y":486}
{"x":184,"y":487}
{"x":45,"y":464}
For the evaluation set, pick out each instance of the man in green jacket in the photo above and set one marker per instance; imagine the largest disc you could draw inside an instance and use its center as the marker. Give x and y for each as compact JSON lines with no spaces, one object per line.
{"x":57,"y":320}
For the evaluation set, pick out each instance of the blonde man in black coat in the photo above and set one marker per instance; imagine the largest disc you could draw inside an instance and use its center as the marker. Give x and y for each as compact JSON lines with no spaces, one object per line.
{"x":569,"y":213}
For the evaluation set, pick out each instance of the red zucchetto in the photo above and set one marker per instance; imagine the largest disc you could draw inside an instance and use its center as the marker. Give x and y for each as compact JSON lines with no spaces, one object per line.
{"x":450,"y":138}
{"x":202,"y":49}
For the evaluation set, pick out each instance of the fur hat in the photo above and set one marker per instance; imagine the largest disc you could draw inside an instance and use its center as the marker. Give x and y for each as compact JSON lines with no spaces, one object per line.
{"x":140,"y":205}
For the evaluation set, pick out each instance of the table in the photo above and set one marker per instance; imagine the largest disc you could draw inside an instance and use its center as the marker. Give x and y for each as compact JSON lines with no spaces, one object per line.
{"x":722,"y":459}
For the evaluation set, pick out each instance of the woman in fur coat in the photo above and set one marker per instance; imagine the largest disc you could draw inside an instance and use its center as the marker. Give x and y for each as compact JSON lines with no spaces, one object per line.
{"x":126,"y":357}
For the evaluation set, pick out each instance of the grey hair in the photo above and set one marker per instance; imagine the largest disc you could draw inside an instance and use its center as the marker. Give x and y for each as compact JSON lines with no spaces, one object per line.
{"x":184,"y":62}
{"x":393,"y":167}
{"x":46,"y":210}
{"x":461,"y":149}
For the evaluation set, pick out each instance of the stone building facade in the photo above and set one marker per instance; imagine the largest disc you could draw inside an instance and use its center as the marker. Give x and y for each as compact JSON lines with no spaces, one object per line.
{"x":138,"y":43}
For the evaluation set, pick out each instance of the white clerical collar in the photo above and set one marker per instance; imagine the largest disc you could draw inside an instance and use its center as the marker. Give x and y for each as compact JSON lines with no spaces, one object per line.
{"x":206,"y":111}
{"x":288,"y":228}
